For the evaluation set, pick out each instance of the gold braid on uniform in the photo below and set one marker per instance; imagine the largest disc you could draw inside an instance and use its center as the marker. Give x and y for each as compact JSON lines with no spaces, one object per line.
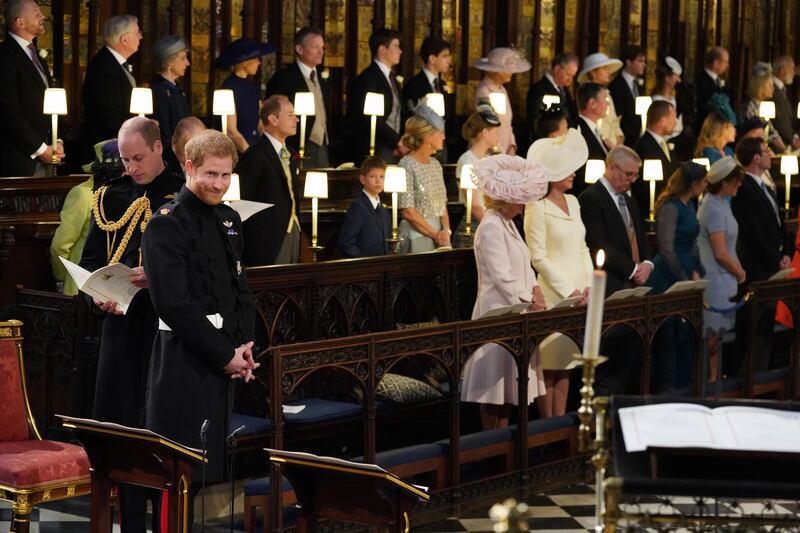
{"x":140,"y":208}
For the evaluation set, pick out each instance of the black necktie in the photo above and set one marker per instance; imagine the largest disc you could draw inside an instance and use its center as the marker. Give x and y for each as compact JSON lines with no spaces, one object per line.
{"x":393,"y":79}
{"x":36,"y":62}
{"x":313,"y":77}
{"x":437,"y":85}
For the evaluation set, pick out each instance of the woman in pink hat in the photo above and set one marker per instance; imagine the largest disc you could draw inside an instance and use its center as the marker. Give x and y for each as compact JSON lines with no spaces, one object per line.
{"x":505,"y":278}
{"x":499,"y":67}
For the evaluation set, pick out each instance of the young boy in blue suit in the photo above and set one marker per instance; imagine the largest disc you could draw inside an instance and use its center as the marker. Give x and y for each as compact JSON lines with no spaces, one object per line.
{"x":367,"y":223}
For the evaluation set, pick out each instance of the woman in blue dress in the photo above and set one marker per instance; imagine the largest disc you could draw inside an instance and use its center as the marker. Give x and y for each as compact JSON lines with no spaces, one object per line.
{"x":171,"y":57}
{"x":717,"y":243}
{"x":243,"y":56}
{"x":715,"y":137}
{"x":678,"y":259}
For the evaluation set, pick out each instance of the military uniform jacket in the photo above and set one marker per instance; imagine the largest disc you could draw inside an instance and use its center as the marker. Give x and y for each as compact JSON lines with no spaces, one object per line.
{"x":192,"y":253}
{"x":126,"y":340}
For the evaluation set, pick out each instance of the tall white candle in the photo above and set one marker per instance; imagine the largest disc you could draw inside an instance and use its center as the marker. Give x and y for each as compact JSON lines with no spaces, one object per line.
{"x":652,"y":200}
{"x":54,"y":128}
{"x":594,"y":315}
{"x":469,"y":207}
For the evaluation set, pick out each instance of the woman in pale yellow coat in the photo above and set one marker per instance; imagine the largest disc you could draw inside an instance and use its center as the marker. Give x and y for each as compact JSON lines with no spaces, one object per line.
{"x":555,"y":236}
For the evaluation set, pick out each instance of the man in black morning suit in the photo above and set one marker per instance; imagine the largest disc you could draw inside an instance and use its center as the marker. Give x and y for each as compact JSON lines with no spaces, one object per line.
{"x":613,"y":224}
{"x":661,"y":120}
{"x":378,"y":77}
{"x":109,"y":82}
{"x":436,"y":60}
{"x":716,"y":61}
{"x":557,"y":82}
{"x":625,"y":88}
{"x":303,"y":75}
{"x":763,"y":246}
{"x":593,"y":103}
{"x":267,"y":173}
{"x":25,"y":148}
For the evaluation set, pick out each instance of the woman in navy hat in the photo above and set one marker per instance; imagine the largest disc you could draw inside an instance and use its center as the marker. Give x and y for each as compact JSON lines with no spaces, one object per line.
{"x":243,"y":56}
{"x":171,"y":59}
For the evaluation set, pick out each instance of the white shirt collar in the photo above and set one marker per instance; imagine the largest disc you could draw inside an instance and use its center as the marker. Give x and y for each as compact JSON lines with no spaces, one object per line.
{"x":712,"y":74}
{"x":304,"y":69}
{"x":374,"y":201}
{"x":609,"y":188}
{"x":384,"y":68}
{"x":775,"y":79}
{"x":759,"y":180}
{"x":659,"y":139}
{"x":630,"y":79}
{"x":116,"y":55}
{"x":428,"y":74}
{"x":592,"y":124}
{"x":22,"y":42}
{"x":551,"y":79}
{"x":276,"y":144}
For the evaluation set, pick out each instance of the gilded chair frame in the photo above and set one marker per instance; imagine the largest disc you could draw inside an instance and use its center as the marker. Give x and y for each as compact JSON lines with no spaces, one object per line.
{"x":24,"y":500}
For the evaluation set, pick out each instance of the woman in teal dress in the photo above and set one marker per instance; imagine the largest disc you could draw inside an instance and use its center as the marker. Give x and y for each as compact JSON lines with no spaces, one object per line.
{"x":678,"y":259}
{"x":715,"y":138}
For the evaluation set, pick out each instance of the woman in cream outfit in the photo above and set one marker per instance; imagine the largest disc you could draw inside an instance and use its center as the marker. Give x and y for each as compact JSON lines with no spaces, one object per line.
{"x":556,"y":240}
{"x":505,"y":278}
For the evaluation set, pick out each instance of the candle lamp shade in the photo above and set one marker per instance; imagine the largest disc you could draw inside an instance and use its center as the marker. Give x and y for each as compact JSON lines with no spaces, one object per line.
{"x":643,"y":104}
{"x":55,"y":102}
{"x":766,"y":110}
{"x":789,"y":164}
{"x":498,"y":102}
{"x":223,"y":103}
{"x":373,"y":104}
{"x":704,"y":161}
{"x":550,"y":99}
{"x":467,"y":177}
{"x":594,"y":169}
{"x":316,"y":185}
{"x":304,"y":104}
{"x":233,"y":193}
{"x":141,"y":101}
{"x":395,"y":179}
{"x":436,"y":102}
{"x":653,"y":170}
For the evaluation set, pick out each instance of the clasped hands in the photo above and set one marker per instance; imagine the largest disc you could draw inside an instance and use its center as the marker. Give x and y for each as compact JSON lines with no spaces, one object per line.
{"x":242,"y":364}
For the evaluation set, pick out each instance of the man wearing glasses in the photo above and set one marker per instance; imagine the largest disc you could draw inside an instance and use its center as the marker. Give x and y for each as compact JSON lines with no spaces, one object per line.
{"x":614,"y":224}
{"x":109,"y":82}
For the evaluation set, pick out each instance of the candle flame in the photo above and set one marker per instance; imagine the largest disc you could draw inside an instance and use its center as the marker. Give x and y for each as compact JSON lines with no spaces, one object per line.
{"x":600,"y":259}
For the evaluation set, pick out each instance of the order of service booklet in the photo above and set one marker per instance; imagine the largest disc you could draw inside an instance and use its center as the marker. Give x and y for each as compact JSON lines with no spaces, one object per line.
{"x":688,"y":425}
{"x":112,"y":283}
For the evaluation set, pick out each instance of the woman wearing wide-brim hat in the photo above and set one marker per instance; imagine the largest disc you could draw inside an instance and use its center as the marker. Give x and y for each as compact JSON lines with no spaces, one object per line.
{"x":171,"y":59}
{"x":505,"y":278}
{"x":599,"y":68}
{"x":243,"y":57}
{"x":556,"y":239}
{"x":499,"y":66}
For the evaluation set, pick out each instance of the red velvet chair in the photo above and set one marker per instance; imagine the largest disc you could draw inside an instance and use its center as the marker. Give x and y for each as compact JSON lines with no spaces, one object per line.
{"x":32,"y":470}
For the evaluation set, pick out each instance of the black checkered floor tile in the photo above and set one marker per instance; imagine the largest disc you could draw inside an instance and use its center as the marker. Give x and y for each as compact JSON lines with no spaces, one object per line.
{"x":567,"y":509}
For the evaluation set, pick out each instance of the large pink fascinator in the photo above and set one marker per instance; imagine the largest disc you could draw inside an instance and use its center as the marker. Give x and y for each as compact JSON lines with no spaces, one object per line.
{"x":511,"y":178}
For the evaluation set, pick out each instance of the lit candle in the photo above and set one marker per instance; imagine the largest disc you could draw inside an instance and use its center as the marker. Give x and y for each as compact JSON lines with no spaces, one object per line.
{"x":594,"y":315}
{"x":316,"y":187}
{"x":395,"y":182}
{"x":314,"y":211}
{"x":372,"y":123}
{"x":394,"y":215}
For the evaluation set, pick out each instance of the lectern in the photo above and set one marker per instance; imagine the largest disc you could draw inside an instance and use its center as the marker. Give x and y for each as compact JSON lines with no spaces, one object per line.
{"x":138,"y":456}
{"x":343,"y":490}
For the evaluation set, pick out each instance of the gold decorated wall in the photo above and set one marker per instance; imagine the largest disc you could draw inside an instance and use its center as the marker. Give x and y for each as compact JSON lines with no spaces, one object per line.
{"x":753,"y":30}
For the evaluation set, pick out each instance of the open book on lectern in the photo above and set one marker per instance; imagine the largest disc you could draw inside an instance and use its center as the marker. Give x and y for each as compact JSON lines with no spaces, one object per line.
{"x":110,"y":428}
{"x":688,"y":285}
{"x":342,"y":465}
{"x":688,"y":425}
{"x":628,"y":293}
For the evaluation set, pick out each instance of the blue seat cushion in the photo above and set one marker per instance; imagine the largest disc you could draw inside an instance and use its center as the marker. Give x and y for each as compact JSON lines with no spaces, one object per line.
{"x":473,"y":441}
{"x":554,"y":423}
{"x":320,"y":410}
{"x":769,"y":376}
{"x":261,"y":487}
{"x":404,"y":456}
{"x":254,"y":425}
